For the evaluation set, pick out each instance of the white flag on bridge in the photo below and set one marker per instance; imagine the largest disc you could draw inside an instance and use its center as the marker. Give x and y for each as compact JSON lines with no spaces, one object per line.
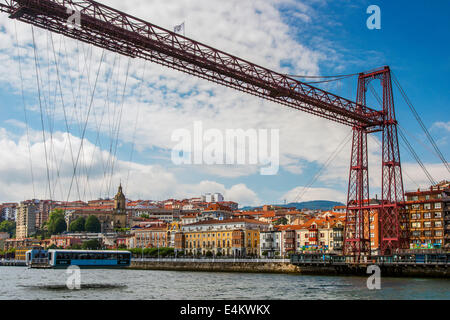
{"x":179,"y":28}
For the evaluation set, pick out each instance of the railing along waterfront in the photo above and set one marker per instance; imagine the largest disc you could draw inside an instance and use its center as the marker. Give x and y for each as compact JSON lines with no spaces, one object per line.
{"x":411,"y":259}
{"x":209,"y":260}
{"x":4,"y":262}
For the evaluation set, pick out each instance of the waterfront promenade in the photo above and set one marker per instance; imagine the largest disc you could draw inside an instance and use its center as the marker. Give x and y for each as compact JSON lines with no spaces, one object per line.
{"x":395,"y":269}
{"x":434,"y":269}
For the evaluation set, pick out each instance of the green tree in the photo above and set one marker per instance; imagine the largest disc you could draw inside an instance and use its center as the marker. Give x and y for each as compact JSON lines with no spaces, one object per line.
{"x":281,"y":221}
{"x":55,"y":214}
{"x":78,"y":225}
{"x":8,"y":226}
{"x":93,"y":244}
{"x":58,"y":226}
{"x":92,"y":225}
{"x":164,"y":252}
{"x":56,"y":223}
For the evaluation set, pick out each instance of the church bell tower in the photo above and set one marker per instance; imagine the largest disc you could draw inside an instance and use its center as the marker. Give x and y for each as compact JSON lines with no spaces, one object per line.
{"x":119,"y":201}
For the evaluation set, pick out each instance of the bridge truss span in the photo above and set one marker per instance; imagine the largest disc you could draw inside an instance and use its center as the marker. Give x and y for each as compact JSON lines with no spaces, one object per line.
{"x":116,"y":31}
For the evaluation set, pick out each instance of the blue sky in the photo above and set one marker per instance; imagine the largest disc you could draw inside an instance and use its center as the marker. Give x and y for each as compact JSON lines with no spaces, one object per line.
{"x":297,"y":37}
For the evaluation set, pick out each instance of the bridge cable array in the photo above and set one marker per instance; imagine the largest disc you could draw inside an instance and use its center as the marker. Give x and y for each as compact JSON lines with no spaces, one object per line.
{"x":327,"y":163}
{"x":406,"y":145}
{"x":24,"y":109}
{"x":419,"y":120}
{"x":79,"y":116}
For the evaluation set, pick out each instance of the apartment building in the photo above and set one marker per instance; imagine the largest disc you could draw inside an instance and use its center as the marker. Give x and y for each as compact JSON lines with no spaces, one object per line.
{"x":152,"y":237}
{"x":270,"y":243}
{"x":8,"y":211}
{"x":26,"y":219}
{"x":230,"y":237}
{"x":428,"y":215}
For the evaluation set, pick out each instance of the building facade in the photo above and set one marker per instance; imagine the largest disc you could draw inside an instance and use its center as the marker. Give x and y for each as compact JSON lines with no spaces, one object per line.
{"x":8,"y":211}
{"x":270,"y":243}
{"x":43,"y":212}
{"x":428,"y":216}
{"x":110,"y":218}
{"x":26,"y":219}
{"x":153,"y":237}
{"x":65,"y":241}
{"x":231,"y":237}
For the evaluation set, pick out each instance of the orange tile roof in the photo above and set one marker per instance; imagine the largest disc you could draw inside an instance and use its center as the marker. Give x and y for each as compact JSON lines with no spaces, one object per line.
{"x":228,"y":221}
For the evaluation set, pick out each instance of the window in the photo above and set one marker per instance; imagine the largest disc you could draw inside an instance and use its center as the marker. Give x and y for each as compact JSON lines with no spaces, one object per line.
{"x":438,"y":233}
{"x":438,"y":224}
{"x":415,"y":225}
{"x":427,"y":215}
{"x":427,"y":233}
{"x":437,"y":205}
{"x":427,"y":206}
{"x":415,"y":206}
{"x":427,"y":197}
{"x":438,"y":214}
{"x":427,"y":224}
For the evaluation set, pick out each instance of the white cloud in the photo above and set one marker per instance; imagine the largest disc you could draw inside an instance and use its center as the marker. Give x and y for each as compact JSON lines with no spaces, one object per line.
{"x":442,"y":125}
{"x":170,"y":99}
{"x":295,"y":195}
{"x":94,"y":178}
{"x":242,"y":194}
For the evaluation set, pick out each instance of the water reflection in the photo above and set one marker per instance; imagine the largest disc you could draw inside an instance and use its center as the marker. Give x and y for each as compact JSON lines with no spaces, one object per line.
{"x":33,"y":284}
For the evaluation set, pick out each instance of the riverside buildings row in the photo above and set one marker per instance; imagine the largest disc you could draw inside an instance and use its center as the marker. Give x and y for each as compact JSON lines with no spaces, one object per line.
{"x":198,"y":227}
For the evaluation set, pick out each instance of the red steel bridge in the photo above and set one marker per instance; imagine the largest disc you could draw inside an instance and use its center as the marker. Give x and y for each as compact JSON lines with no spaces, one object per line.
{"x":119,"y":32}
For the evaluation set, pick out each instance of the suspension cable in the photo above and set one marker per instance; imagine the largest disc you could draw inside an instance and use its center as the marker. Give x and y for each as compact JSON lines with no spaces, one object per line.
{"x":136,"y":123}
{"x":332,"y":80}
{"x":63,"y":106}
{"x":114,"y":159}
{"x":419,"y":120}
{"x":406,"y":142}
{"x":24,"y":109}
{"x":403,"y":169}
{"x":36,"y":64}
{"x":322,"y":77}
{"x":324,"y":166}
{"x":85,"y":125}
{"x":414,"y":154}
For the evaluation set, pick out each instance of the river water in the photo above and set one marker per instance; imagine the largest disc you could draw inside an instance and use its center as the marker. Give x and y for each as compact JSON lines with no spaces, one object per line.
{"x":20,"y":283}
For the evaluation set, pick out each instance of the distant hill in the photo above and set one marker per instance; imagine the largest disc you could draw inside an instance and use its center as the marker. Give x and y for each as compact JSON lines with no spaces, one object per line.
{"x":312,"y":205}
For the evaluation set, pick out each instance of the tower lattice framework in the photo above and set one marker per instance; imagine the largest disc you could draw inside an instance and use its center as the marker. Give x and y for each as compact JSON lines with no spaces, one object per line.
{"x":392,"y":219}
